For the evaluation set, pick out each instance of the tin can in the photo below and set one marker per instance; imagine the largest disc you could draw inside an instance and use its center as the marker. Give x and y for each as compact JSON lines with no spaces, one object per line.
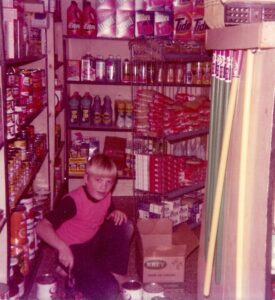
{"x":131,"y":290}
{"x":151,"y":290}
{"x":4,"y":291}
{"x":46,"y":286}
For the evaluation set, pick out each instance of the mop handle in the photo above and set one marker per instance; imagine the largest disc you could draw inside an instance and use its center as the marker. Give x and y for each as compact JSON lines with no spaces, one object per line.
{"x":221,"y":171}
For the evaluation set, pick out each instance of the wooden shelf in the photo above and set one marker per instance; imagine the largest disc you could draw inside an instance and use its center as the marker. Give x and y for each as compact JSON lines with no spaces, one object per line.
{"x":24,"y":60}
{"x":31,"y":117}
{"x":27,"y":186}
{"x":81,"y":176}
{"x":136,"y":83}
{"x":245,"y":36}
{"x":176,"y":136}
{"x":99,"y":82}
{"x":96,"y":38}
{"x":178,"y":192}
{"x":186,"y":135}
{"x":99,"y":128}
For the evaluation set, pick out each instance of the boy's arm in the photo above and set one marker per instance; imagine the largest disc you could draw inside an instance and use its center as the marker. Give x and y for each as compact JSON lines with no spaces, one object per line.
{"x":46,"y":229}
{"x":47,"y":233}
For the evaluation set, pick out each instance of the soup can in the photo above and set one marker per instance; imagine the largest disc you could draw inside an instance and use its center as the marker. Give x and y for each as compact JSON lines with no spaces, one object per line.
{"x":46,"y":286}
{"x":132,"y":290}
{"x":151,"y":290}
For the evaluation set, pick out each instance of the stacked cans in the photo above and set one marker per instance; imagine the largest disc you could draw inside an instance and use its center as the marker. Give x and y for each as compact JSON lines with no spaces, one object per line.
{"x":24,"y":96}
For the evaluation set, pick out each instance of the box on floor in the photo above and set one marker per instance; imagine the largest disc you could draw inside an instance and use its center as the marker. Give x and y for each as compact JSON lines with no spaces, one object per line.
{"x":161,"y":251}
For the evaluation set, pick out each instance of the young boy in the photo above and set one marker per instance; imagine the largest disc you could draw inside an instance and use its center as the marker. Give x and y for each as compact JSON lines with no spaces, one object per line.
{"x":92,"y":240}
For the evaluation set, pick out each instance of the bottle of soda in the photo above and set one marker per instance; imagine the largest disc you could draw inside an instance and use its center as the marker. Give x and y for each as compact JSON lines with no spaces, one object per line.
{"x":96,"y":111}
{"x":74,"y":19}
{"x":89,"y":20}
{"x":118,"y":68}
{"x":74,"y":108}
{"x":110,"y":66}
{"x":100,"y":68}
{"x":87,"y":68}
{"x":85,"y":109}
{"x":107,"y":112}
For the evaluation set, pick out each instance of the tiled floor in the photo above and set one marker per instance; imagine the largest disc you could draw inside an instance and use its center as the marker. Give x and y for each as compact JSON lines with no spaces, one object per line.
{"x":189,"y":292}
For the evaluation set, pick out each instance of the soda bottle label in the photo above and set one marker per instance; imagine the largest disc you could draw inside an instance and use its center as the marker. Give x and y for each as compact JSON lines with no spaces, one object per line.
{"x":110,"y":70}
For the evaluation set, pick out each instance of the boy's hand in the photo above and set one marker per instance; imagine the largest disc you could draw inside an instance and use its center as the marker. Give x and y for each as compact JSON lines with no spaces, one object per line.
{"x":118,"y":217}
{"x":65,"y":256}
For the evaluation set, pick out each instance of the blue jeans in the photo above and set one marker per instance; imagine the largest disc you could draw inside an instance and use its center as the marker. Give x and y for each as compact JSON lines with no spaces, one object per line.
{"x":95,"y":261}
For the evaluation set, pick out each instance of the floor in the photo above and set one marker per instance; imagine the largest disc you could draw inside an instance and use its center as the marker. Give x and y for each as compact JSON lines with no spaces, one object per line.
{"x":189,"y":292}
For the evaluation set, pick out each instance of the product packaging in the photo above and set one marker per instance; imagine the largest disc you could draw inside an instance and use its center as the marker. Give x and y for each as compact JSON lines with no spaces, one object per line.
{"x":125,"y":24}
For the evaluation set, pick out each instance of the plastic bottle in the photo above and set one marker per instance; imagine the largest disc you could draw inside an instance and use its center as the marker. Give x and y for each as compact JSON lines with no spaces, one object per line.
{"x":100,"y":68}
{"x":118,"y":68}
{"x":74,"y":19}
{"x":129,"y":114}
{"x":126,"y":72}
{"x":107,"y":112}
{"x":120,"y":120}
{"x":96,"y":111}
{"x":89,"y":20}
{"x":110,"y":66}
{"x":85,"y":109}
{"x":87,"y":68}
{"x":74,"y":108}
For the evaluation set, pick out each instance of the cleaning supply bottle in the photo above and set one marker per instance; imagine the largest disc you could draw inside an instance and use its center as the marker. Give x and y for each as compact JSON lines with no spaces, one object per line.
{"x":128,"y":114}
{"x":74,"y":19}
{"x":74,"y":102}
{"x":107,"y":112}
{"x":89,"y":20}
{"x":96,"y":111}
{"x":120,"y":111}
{"x":85,"y":109}
{"x":110,"y":69}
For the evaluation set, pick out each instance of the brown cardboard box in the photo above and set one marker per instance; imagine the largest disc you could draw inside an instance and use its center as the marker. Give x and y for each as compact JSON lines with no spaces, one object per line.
{"x":162,"y":252}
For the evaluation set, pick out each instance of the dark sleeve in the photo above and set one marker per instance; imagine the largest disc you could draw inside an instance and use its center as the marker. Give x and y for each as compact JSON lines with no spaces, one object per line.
{"x":64,"y":211}
{"x":111,"y":207}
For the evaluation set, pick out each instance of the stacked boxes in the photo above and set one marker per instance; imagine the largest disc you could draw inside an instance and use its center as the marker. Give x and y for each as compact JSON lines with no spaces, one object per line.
{"x":164,"y":173}
{"x":179,"y":210}
{"x":157,"y":115}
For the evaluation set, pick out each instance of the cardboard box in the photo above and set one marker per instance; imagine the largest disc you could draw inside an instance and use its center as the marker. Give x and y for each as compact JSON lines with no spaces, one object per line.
{"x":162,"y":252}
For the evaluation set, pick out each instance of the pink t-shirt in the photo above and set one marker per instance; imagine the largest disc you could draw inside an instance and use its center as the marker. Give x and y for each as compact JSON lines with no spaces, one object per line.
{"x":89,"y":216}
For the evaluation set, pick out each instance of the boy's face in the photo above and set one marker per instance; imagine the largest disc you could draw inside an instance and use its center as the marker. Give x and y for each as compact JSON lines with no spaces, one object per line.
{"x":98,"y":186}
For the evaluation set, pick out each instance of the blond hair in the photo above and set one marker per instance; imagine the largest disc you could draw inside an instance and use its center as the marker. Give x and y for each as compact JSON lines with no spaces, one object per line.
{"x":101,"y":165}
